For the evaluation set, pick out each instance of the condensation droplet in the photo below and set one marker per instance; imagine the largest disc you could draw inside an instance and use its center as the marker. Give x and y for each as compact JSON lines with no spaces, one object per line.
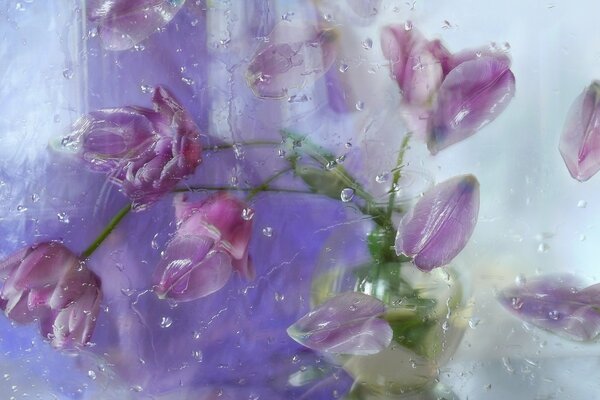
{"x":136,"y":388}
{"x":543,"y":247}
{"x":238,"y":151}
{"x":21,"y":208}
{"x":582,"y":204}
{"x":35,"y":197}
{"x":367,"y":44}
{"x":63,"y":217}
{"x":347,"y":195}
{"x":360,"y":105}
{"x":301,"y":98}
{"x":91,"y":374}
{"x":187,"y":81}
{"x":197,"y":355}
{"x":154,"y":242}
{"x":166,"y":322}
{"x":382,"y":178}
{"x":67,"y":73}
{"x":247,"y":214}
{"x":408,"y":26}
{"x":554,"y":315}
{"x":516,"y":303}
{"x":520,"y":280}
{"x":146,"y":88}
{"x":196,"y":335}
{"x":267,"y":231}
{"x":279,"y":296}
{"x":473,"y":322}
{"x":287,"y":16}
{"x":343,"y":67}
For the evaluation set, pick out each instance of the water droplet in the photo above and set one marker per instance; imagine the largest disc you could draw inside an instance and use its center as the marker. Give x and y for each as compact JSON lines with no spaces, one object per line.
{"x":341,"y":159}
{"x":281,"y":153}
{"x":413,"y":363}
{"x":35,"y":197}
{"x":353,"y":307}
{"x":554,"y":315}
{"x":67,"y":73}
{"x":347,"y":194}
{"x":445,"y":326}
{"x":473,"y":322}
{"x":582,"y":204}
{"x":516,"y":303}
{"x":343,"y":67}
{"x":367,"y":44}
{"x":279,"y":296}
{"x":267,"y":231}
{"x":187,"y":81}
{"x":360,"y":105}
{"x":136,"y":388}
{"x":154,"y":242}
{"x":238,"y":151}
{"x":287,"y":16}
{"x":91,"y":374}
{"x":196,"y":335}
{"x":63,"y":217}
{"x":328,"y":17}
{"x":298,"y":99}
{"x":408,"y":26}
{"x":21,"y":208}
{"x":507,"y":365}
{"x":146,"y":88}
{"x":197,"y":355}
{"x":195,"y":22}
{"x":382,"y":178}
{"x":330,"y":165}
{"x":348,"y":145}
{"x":520,"y":280}
{"x":543,"y":247}
{"x":247,"y":214}
{"x":166,"y":322}
{"x":582,"y":237}
{"x":488,"y":386}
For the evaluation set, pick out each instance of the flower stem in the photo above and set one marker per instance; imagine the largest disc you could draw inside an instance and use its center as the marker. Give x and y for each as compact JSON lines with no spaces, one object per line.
{"x":265,"y":185}
{"x":107,"y":230}
{"x":397,"y":174}
{"x":233,"y":188}
{"x":256,"y":143}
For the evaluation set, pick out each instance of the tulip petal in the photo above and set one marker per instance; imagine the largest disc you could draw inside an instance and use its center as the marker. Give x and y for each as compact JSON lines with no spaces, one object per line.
{"x":580,"y":139}
{"x":346,"y":324}
{"x":192,"y":268}
{"x":555,"y":303}
{"x":471,"y":96}
{"x":295,"y":56}
{"x":441,"y":223}
{"x":125,"y":23}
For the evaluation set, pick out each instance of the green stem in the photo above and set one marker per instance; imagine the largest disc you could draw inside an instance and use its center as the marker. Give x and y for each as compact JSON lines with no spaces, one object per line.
{"x":397,"y":174}
{"x":257,"y":143}
{"x":107,"y":230}
{"x":265,"y":185}
{"x":232,"y":188}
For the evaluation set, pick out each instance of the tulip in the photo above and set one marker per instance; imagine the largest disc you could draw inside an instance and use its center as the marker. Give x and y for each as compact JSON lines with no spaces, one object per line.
{"x":124,"y":23}
{"x":145,"y":152}
{"x":418,"y":65}
{"x":349,"y":323}
{"x":211,"y":240}
{"x":50,"y":283}
{"x":446,"y":97}
{"x":471,"y":96}
{"x":294,"y":56}
{"x":440,"y":224}
{"x":556,"y":303}
{"x":580,"y":139}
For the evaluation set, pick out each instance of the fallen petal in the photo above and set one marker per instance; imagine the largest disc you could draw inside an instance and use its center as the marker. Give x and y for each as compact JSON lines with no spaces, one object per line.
{"x":441,"y":223}
{"x":556,"y":303}
{"x":346,"y":324}
{"x":580,"y":140}
{"x":470,"y":97}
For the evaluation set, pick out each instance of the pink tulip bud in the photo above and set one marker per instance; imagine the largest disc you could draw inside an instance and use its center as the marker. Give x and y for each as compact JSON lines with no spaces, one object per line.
{"x":211,"y":240}
{"x":145,"y":152}
{"x":441,"y":223}
{"x":50,"y":283}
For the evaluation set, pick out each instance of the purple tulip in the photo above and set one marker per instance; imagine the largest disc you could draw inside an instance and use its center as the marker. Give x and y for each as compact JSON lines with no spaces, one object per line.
{"x":348,"y":323}
{"x":418,"y":65}
{"x":294,"y":56}
{"x":146,"y":152}
{"x":441,"y":223}
{"x":580,"y":140}
{"x":557,"y":304}
{"x":211,"y":240}
{"x":124,"y":23}
{"x":50,"y":283}
{"x":471,"y":96}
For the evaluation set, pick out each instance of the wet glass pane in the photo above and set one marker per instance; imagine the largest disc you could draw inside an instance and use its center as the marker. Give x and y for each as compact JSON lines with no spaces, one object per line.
{"x":269,"y":199}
